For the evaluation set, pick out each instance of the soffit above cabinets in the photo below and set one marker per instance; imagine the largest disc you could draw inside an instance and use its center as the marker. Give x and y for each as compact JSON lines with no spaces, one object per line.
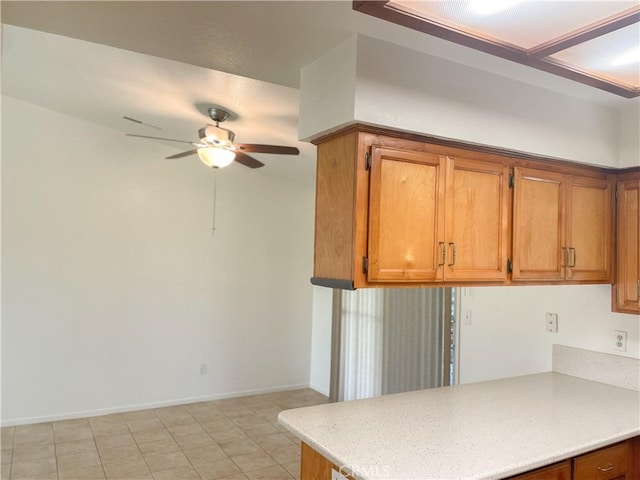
{"x":593,"y":42}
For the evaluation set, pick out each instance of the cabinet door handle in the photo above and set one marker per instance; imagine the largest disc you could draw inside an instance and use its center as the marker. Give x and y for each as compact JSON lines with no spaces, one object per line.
{"x":453,"y":254}
{"x":443,"y":253}
{"x":573,"y":251}
{"x":608,"y":468}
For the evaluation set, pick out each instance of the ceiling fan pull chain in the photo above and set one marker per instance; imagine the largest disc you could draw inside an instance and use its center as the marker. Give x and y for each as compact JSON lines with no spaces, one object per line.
{"x":213,"y":227}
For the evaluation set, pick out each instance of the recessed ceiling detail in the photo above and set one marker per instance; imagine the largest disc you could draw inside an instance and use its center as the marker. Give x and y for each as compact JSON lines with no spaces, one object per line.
{"x":593,"y":42}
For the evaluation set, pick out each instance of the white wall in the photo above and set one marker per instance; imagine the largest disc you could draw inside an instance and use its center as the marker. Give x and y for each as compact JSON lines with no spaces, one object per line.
{"x":412,"y":91}
{"x":409,"y":90}
{"x":320,"y":374}
{"x":629,"y":137}
{"x":329,"y":102}
{"x":114,"y":288}
{"x":507,"y":335}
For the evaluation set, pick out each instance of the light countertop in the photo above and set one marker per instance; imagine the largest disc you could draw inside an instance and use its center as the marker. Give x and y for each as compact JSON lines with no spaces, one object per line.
{"x":483,"y":430}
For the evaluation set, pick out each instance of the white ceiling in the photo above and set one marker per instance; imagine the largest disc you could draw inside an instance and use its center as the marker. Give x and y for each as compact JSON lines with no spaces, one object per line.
{"x":102,"y":84}
{"x":267,"y":40}
{"x":184,"y":48}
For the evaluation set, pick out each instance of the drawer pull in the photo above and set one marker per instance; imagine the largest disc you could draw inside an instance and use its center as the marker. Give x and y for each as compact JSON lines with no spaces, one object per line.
{"x":608,"y":468}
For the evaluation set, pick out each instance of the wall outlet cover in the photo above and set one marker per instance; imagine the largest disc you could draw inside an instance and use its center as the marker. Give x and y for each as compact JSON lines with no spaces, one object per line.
{"x":620,"y":337}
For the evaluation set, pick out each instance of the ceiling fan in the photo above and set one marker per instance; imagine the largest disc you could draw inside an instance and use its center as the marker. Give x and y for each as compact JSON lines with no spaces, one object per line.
{"x":216,"y":148}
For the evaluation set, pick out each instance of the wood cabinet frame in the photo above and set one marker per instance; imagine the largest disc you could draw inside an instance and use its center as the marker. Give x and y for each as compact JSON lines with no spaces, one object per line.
{"x":562,"y":225}
{"x":342,"y":226}
{"x":624,"y":252}
{"x":422,"y":263}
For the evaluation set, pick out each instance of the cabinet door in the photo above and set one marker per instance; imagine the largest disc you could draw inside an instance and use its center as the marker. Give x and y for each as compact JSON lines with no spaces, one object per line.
{"x":628,"y":259}
{"x":477,"y":220}
{"x":559,"y":471}
{"x":589,"y":228}
{"x":538,"y":225}
{"x":406,"y":216}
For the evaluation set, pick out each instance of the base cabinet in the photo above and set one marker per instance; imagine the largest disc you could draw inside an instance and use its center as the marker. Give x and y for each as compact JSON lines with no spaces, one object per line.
{"x":620,"y":461}
{"x":559,"y":471}
{"x":314,"y":466}
{"x":627,"y":284}
{"x":617,"y":462}
{"x":608,"y":463}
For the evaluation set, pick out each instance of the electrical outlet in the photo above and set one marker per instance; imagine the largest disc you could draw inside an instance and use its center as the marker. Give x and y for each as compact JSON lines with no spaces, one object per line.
{"x":467,"y":317}
{"x":620,"y":341}
{"x":203,"y":369}
{"x":551,"y":322}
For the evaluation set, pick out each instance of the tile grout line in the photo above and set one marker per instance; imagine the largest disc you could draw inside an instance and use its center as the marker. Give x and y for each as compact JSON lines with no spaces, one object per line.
{"x":95,"y":443}
{"x":261,"y":448}
{"x":138,"y":447}
{"x":173,"y":437}
{"x":55,"y":451}
{"x":263,"y":412}
{"x":13,"y":450}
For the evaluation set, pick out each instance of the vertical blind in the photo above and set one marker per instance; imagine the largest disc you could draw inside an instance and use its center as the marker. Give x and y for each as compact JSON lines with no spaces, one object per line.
{"x":388,"y":341}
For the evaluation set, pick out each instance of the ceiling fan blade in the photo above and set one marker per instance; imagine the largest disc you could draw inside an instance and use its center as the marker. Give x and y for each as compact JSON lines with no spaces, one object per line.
{"x":183,"y":154}
{"x":247,"y":160}
{"x":158,"y":138}
{"x":257,"y":148}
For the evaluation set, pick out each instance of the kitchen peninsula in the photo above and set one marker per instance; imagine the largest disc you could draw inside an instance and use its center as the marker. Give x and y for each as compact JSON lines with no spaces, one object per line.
{"x":485,"y":430}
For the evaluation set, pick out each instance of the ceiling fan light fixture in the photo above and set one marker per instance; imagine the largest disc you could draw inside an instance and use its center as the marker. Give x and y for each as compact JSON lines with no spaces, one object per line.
{"x":215,"y":157}
{"x":214,"y":135}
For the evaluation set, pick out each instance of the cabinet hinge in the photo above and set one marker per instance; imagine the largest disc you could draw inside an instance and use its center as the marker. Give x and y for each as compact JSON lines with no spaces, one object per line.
{"x":509,"y":266}
{"x":512,"y":180}
{"x":367,"y":161}
{"x":365,"y":265}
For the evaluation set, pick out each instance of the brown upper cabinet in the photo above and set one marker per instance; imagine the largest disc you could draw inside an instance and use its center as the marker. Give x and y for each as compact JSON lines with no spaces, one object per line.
{"x":393,"y":209}
{"x":406,"y":216}
{"x":435,"y":218}
{"x":627,"y":286}
{"x":562,"y":226}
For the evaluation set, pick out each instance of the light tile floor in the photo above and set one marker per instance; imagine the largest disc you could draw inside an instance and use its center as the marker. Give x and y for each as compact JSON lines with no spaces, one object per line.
{"x":237,"y":438}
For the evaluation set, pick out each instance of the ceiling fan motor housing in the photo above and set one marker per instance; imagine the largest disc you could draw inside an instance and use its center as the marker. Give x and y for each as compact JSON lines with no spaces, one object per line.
{"x":217,"y":136}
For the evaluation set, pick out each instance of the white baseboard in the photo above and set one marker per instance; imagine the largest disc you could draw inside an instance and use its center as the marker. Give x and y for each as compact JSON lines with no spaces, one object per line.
{"x":319,"y":390}
{"x":145,"y":406}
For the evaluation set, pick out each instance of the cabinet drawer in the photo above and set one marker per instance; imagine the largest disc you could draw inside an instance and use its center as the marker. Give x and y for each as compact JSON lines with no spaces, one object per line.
{"x":603,"y":464}
{"x":559,"y":471}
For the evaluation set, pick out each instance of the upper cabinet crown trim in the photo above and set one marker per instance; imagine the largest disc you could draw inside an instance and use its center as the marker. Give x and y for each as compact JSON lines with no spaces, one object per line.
{"x":453,"y":147}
